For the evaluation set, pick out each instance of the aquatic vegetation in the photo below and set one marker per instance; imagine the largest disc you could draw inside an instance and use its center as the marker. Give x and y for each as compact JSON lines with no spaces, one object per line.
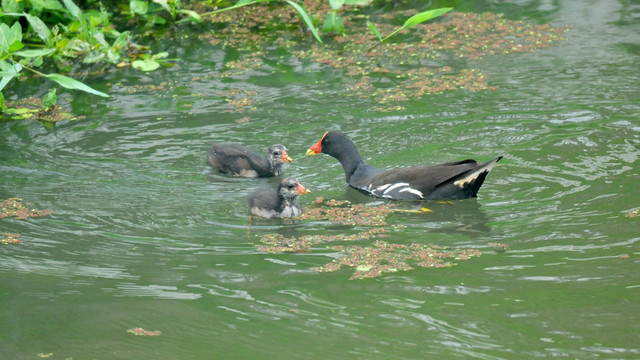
{"x":137,"y":331}
{"x":358,"y":214}
{"x":276,"y":243}
{"x":368,"y":261}
{"x":10,"y":239}
{"x":14,"y":208}
{"x":634,"y":213}
{"x":391,"y":73}
{"x":35,"y":109}
{"x":383,"y":257}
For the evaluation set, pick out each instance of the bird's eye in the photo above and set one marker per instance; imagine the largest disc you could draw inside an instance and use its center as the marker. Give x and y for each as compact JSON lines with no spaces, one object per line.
{"x":276,"y":153}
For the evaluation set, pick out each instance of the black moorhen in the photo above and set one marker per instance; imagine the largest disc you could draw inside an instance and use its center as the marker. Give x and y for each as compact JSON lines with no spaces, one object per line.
{"x":238,"y":160}
{"x":449,"y":181}
{"x":281,"y":202}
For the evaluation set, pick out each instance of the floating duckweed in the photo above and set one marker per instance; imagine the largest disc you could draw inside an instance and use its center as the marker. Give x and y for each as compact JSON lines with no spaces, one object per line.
{"x":276,"y":243}
{"x":10,"y":239}
{"x":342,"y":212}
{"x":383,"y":257}
{"x":392,"y":72}
{"x":370,"y":260}
{"x":15,"y":209}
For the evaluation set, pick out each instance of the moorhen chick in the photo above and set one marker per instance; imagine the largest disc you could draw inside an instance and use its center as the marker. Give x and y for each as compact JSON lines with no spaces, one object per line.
{"x":238,"y":160}
{"x":281,"y":202}
{"x":449,"y":181}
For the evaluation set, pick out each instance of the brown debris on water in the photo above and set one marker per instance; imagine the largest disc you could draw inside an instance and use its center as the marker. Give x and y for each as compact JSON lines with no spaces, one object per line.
{"x":14,"y":208}
{"x":368,"y":261}
{"x":32,"y":109}
{"x":342,"y":212}
{"x":9,"y":238}
{"x":407,"y":67}
{"x":276,"y":243}
{"x":382,"y":257}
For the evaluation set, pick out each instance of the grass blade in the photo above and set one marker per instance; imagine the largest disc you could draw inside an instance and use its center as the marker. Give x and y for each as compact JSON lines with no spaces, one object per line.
{"x":69,"y":83}
{"x":305,"y":17}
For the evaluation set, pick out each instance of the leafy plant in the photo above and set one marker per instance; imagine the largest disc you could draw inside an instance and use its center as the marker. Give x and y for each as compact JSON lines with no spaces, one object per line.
{"x":10,"y":46}
{"x":152,"y":10}
{"x":302,"y":12}
{"x":410,"y":22}
{"x":149,"y":62}
{"x":332,"y":21}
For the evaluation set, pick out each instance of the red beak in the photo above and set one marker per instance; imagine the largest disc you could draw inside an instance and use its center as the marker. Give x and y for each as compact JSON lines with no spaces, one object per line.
{"x":317,"y":148}
{"x":302,"y":190}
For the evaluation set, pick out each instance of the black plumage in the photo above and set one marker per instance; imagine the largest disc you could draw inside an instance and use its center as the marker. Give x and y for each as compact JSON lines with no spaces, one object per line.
{"x":448,"y":181}
{"x":280,"y":202}
{"x":238,"y":160}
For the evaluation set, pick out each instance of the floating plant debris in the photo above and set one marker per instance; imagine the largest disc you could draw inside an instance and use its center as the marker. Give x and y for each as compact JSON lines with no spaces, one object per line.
{"x":10,"y":239}
{"x":142,"y":332}
{"x":499,"y":247}
{"x":32,"y":109}
{"x":368,"y":261}
{"x":358,"y":214}
{"x":383,"y":257}
{"x":633,"y":213}
{"x":14,"y":208}
{"x":276,"y":243}
{"x":389,"y":73}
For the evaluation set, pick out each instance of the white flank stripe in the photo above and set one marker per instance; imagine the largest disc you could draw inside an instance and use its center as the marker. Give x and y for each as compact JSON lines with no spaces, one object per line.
{"x":381,"y":187}
{"x":394,"y":186}
{"x":412,"y":190}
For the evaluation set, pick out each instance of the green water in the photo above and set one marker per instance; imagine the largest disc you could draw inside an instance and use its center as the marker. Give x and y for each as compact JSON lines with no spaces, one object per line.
{"x":143,"y":234}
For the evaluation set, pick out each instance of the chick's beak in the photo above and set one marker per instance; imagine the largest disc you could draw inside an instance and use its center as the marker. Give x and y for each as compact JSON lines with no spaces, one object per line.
{"x":285,"y":157}
{"x":302,"y":190}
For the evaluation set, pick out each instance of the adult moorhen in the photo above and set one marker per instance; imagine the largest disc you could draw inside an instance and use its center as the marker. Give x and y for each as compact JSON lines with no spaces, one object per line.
{"x":449,"y":181}
{"x":281,"y":202}
{"x":238,"y":160}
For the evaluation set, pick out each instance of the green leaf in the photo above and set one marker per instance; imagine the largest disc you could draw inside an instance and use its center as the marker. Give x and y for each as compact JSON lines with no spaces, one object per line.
{"x":3,"y":107}
{"x":146,"y":65}
{"x":336,"y":4}
{"x":40,"y":28}
{"x":424,"y":16}
{"x":160,"y":55}
{"x":191,"y":14}
{"x":16,"y":30}
{"x":73,"y":9}
{"x":374,"y":30}
{"x":8,"y":72}
{"x":50,"y":99}
{"x":305,"y":17}
{"x":12,"y":6}
{"x":329,"y":22}
{"x":35,"y":53}
{"x":47,"y":4}
{"x":138,"y":7}
{"x":10,"y":38}
{"x":163,"y":3}
{"x":17,"y":45}
{"x":69,"y":83}
{"x":5,"y":35}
